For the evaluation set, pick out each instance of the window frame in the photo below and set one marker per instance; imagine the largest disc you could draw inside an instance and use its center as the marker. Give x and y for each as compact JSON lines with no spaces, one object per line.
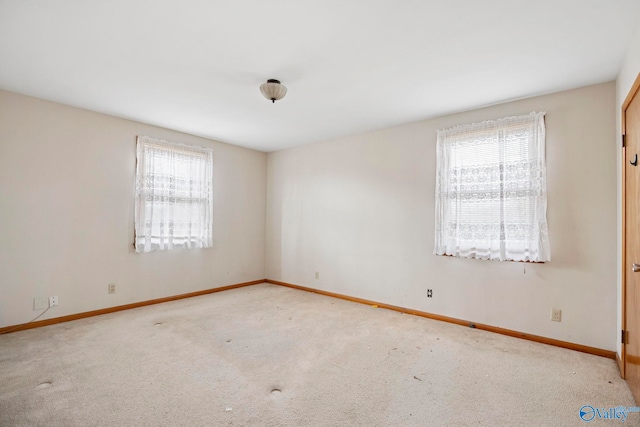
{"x":172,"y":192}
{"x":449,"y":240}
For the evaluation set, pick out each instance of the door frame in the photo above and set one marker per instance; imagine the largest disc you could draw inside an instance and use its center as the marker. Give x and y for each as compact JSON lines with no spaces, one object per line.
{"x":630,"y":96}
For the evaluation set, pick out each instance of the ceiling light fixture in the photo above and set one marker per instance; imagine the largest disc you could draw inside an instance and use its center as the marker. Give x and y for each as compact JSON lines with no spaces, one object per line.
{"x":273,"y":90}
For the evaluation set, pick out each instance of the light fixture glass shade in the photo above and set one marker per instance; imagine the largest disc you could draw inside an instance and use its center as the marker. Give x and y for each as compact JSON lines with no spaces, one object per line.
{"x":273,"y":90}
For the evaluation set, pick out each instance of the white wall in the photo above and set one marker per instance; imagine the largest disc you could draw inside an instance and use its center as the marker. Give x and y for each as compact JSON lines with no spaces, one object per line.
{"x":66,"y":213}
{"x":628,"y":74}
{"x":360,"y":211}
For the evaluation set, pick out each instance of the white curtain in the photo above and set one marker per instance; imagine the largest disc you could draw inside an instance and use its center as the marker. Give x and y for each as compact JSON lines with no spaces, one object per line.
{"x":174,"y":196}
{"x":491,"y":191}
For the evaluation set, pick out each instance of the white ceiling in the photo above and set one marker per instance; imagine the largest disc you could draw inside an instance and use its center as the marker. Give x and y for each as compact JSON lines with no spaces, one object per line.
{"x":350,"y":66}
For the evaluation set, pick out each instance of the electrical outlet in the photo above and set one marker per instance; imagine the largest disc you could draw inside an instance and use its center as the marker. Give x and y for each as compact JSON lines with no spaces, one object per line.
{"x":556,"y":315}
{"x":429,"y":293}
{"x":53,"y":301}
{"x":112,"y":288}
{"x":317,"y":274}
{"x":40,"y":303}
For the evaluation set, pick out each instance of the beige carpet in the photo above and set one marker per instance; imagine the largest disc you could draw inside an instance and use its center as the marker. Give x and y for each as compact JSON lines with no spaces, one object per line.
{"x":266,"y":355}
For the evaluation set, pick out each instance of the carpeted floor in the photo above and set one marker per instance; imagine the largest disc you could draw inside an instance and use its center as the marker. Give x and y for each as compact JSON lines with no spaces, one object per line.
{"x":267,"y":355}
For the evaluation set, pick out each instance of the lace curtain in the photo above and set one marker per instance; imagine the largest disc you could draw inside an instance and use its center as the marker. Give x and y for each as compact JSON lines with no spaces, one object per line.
{"x":174,"y":196}
{"x":491,"y":191}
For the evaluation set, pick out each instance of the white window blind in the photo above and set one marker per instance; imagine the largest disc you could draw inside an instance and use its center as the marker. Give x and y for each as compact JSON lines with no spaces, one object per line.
{"x":491,"y":191}
{"x":174,"y":196}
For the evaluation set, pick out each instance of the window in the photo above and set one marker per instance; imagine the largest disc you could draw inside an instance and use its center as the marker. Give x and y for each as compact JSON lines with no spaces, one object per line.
{"x":491,"y":191}
{"x":174,"y":196}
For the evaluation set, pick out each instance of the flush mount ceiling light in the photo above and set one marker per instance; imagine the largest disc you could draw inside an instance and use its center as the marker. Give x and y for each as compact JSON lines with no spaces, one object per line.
{"x":273,"y":90}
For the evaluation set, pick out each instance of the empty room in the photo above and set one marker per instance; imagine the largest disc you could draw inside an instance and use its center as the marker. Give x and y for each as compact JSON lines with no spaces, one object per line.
{"x":319,"y":213}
